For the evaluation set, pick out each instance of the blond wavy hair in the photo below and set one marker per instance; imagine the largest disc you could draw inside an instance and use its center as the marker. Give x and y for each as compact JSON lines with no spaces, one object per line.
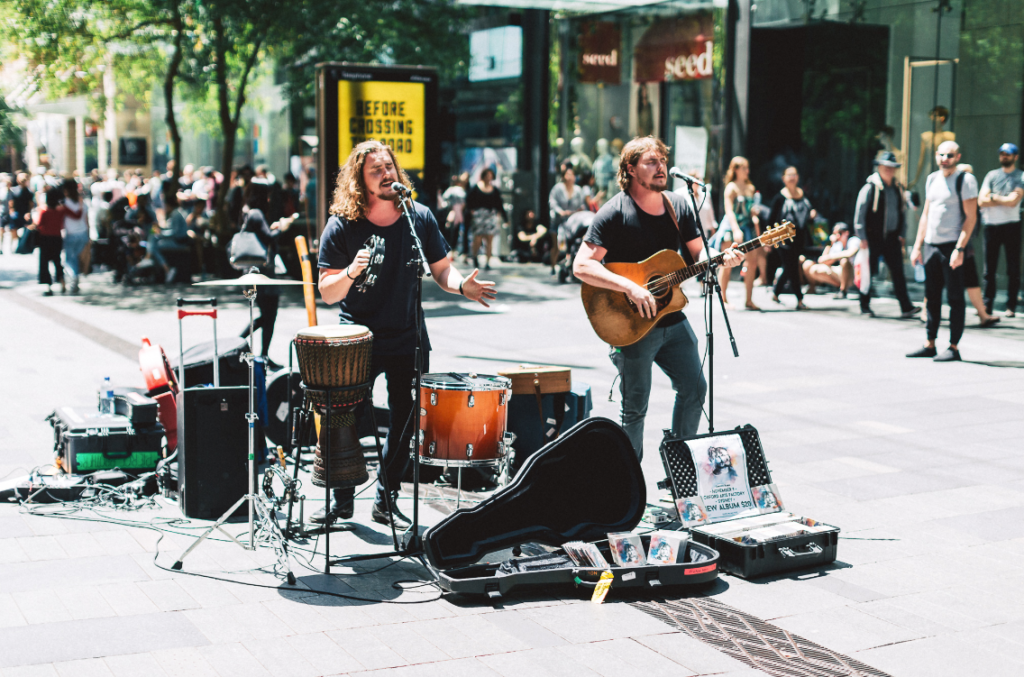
{"x":351,"y":199}
{"x":633,"y":151}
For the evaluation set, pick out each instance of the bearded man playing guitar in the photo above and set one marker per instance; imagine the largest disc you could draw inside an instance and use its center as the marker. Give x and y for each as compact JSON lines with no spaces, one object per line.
{"x":642,"y":220}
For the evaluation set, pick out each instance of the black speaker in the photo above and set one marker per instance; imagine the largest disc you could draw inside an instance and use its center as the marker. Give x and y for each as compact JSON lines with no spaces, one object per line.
{"x":213,"y":450}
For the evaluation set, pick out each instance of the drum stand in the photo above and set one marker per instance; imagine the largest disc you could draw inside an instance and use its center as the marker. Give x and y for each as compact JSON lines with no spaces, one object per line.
{"x":268,"y":526}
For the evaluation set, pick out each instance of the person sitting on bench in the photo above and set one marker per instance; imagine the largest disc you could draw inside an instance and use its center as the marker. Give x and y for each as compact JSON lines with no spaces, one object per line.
{"x":835,"y":265}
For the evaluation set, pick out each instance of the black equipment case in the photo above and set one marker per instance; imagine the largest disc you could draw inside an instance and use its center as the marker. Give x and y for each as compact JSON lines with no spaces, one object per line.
{"x":133,"y":404}
{"x":87,"y":441}
{"x":742,"y":556}
{"x":581,"y":487}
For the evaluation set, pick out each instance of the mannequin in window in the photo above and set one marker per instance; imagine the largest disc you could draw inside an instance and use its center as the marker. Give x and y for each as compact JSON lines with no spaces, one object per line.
{"x":577,"y":157}
{"x":644,"y":112}
{"x":931,"y":140}
{"x":605,"y":166}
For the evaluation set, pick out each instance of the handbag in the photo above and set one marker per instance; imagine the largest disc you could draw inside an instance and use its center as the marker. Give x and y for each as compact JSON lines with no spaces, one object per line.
{"x":28,"y":242}
{"x":245,"y":250}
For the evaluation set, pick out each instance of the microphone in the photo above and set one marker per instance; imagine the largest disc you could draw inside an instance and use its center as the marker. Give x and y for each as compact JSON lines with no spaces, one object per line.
{"x":680,"y":174}
{"x":399,"y":188}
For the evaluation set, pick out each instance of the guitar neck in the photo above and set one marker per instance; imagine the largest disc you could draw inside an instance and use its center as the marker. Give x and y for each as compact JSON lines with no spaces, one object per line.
{"x":684,"y":274}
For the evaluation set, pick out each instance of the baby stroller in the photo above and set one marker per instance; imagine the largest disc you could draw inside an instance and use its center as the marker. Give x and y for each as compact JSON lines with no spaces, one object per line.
{"x":572,"y":231}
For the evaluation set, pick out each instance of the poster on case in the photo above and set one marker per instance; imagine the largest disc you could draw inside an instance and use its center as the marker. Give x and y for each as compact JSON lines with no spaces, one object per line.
{"x":721,"y":465}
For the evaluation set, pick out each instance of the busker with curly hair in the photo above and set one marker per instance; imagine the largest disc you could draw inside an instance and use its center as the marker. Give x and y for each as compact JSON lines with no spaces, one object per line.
{"x":364,"y":205}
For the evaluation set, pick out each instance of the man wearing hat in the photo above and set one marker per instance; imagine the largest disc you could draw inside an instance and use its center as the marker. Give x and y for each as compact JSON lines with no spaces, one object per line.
{"x":1000,"y":199}
{"x":880,"y":223}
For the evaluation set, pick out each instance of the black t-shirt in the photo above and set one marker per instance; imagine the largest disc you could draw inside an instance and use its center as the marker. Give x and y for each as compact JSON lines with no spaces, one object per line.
{"x":388,"y":307}
{"x":22,"y":198}
{"x":631,"y":235}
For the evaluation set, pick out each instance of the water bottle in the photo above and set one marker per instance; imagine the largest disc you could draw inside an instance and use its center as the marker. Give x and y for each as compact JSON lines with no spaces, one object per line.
{"x":107,"y":397}
{"x":919,"y":272}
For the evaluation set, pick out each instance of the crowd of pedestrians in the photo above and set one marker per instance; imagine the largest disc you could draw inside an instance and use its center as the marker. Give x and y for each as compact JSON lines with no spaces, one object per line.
{"x":151,"y":229}
{"x":954,"y":208}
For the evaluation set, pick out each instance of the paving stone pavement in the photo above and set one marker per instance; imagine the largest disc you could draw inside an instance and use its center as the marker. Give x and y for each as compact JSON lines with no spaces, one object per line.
{"x":920,"y":464}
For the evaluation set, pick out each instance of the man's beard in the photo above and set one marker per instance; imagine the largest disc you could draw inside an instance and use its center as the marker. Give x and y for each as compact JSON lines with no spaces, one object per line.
{"x":1008,"y":162}
{"x":649,"y":186}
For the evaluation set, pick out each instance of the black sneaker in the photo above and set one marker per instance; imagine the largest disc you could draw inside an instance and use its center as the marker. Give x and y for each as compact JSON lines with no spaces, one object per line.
{"x":380,"y":515}
{"x":923,"y":352}
{"x":340,"y":511}
{"x":948,"y":355}
{"x":910,"y":314}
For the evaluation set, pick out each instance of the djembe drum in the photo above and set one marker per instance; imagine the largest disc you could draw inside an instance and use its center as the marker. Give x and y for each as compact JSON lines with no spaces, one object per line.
{"x":336,"y":356}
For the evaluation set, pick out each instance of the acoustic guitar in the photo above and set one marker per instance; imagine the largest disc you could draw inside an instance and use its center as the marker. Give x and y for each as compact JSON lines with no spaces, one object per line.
{"x":616,"y":318}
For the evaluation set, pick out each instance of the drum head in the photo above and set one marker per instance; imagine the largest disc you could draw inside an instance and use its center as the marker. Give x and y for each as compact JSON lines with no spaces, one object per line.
{"x":332,"y":331}
{"x":473,"y":382}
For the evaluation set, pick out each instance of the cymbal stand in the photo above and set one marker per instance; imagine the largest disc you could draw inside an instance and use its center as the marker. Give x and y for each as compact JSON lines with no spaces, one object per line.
{"x":269,"y":529}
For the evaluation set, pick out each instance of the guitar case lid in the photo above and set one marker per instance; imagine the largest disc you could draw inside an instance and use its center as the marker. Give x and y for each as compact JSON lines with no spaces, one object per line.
{"x":582,"y":486}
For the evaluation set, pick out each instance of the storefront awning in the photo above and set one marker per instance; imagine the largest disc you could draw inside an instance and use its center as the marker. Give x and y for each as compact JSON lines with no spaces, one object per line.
{"x":597,"y":6}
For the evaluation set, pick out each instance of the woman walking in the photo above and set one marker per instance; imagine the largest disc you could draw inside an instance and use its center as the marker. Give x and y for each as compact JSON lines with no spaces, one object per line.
{"x":49,"y":223}
{"x":564,"y":200}
{"x":792,"y":205}
{"x":485,"y":212}
{"x":76,"y":232}
{"x":740,"y":225}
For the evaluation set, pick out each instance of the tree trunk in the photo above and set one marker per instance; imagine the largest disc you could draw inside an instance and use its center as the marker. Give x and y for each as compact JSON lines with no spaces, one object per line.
{"x":172,"y":74}
{"x":229,"y":120}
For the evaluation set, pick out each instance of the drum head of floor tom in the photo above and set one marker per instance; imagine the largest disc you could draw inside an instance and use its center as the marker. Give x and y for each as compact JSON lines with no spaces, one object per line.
{"x":473,"y":382}
{"x":332,"y":331}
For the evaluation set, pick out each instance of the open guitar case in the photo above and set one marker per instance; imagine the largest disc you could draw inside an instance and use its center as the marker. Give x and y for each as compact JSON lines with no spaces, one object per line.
{"x":581,"y":487}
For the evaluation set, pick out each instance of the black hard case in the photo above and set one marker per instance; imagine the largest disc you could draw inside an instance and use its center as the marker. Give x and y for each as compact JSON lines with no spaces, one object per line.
{"x":580,"y":487}
{"x":746,"y":560}
{"x":133,"y":404}
{"x":86,"y":442}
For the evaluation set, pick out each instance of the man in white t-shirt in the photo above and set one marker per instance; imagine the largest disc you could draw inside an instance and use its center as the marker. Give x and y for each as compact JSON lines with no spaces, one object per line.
{"x":1000,"y":199}
{"x":835,"y":265}
{"x":947,"y":220}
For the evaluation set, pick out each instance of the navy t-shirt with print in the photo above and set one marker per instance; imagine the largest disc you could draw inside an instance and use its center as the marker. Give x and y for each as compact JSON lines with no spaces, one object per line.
{"x":388,"y":307}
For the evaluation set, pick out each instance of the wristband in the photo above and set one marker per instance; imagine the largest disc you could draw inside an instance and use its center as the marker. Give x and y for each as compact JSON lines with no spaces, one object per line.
{"x":958,"y":249}
{"x":349,"y":276}
{"x":460,"y":287}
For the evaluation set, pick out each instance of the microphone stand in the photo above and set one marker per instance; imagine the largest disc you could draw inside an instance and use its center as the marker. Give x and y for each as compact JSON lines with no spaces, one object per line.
{"x":419,"y":262}
{"x":711,"y":287}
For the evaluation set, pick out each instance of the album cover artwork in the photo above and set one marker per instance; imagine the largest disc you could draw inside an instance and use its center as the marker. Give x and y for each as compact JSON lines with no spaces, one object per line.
{"x":767,"y":498}
{"x":691,"y":511}
{"x":627,"y":549}
{"x":667,"y":547}
{"x":721,"y":464}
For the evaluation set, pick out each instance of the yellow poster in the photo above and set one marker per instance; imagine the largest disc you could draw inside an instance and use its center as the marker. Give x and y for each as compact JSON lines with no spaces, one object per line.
{"x":390,"y":112}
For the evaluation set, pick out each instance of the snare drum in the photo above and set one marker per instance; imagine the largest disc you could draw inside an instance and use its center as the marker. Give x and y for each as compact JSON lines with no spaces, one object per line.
{"x":463,"y":419}
{"x":333,"y":356}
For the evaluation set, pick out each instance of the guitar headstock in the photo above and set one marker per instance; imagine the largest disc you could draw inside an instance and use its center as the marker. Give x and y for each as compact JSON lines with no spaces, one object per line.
{"x":778,"y":234}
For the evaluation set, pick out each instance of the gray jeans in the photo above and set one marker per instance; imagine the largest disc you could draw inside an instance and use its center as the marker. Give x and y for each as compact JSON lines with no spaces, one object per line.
{"x":674,"y":349}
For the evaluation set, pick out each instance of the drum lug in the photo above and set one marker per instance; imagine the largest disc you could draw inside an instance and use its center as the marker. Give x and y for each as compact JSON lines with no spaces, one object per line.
{"x":433,"y":399}
{"x":501,"y":398}
{"x":469,"y":451}
{"x":506,"y":442}
{"x":472,"y":401}
{"x":432,"y":449}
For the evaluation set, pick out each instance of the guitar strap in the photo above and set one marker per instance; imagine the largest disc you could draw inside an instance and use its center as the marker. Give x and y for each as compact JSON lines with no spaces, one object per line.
{"x":682,"y":245}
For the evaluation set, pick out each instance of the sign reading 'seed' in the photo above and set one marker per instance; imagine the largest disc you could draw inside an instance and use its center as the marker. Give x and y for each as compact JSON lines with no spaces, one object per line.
{"x":390,"y":112}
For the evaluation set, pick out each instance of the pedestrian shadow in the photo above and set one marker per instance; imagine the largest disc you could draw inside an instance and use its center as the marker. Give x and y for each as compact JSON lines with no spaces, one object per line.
{"x":1002,"y":364}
